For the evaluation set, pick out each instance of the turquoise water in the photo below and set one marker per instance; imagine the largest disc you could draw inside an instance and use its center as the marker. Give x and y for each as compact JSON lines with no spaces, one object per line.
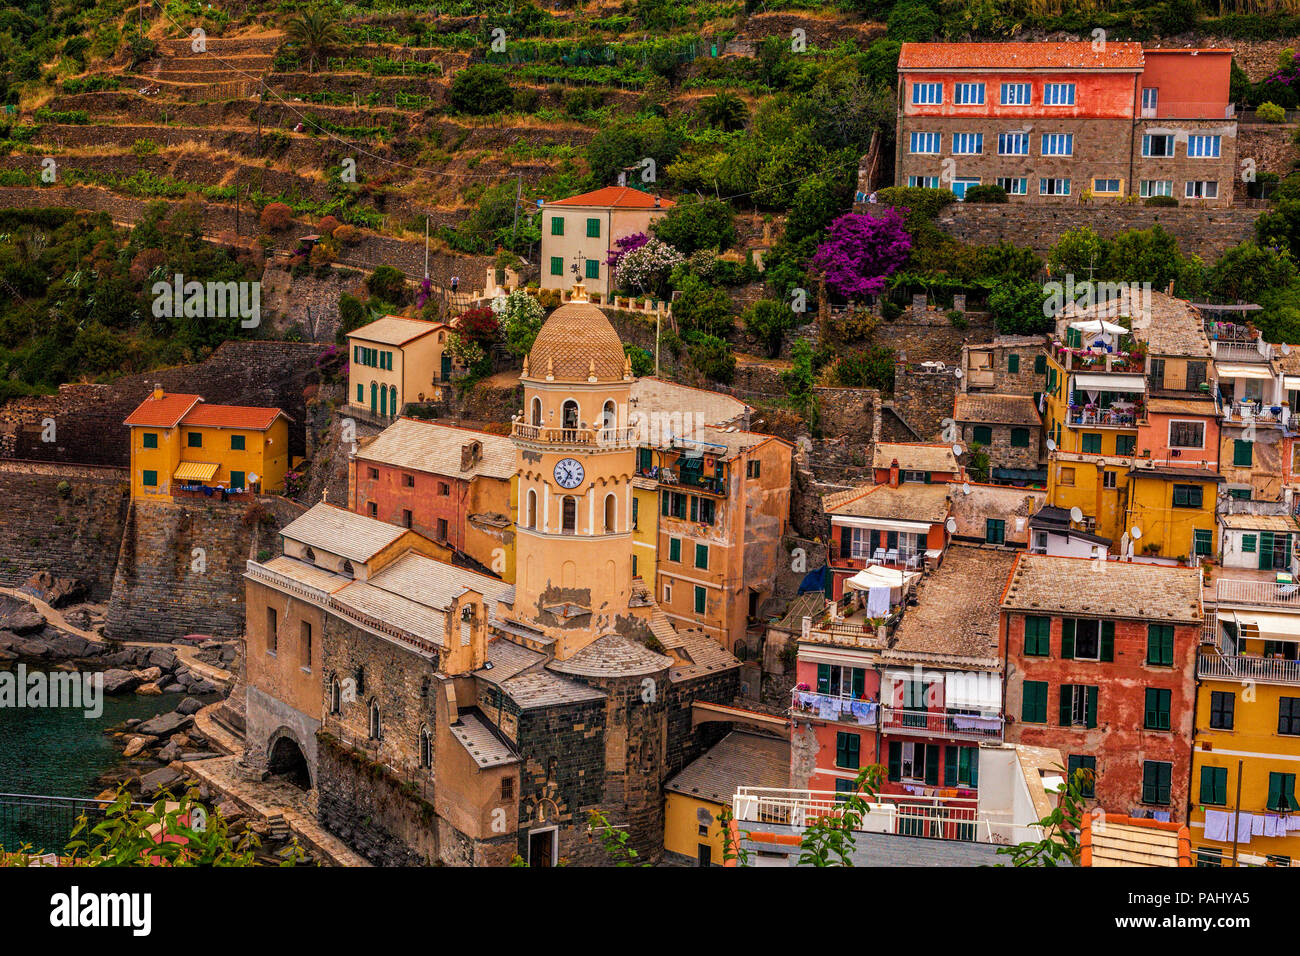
{"x":59,"y":752}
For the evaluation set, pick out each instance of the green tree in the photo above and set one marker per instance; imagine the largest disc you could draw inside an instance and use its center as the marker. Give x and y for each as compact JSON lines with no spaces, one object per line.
{"x":1078,"y":252}
{"x":702,"y":308}
{"x":816,"y":203}
{"x":1016,"y":306}
{"x":695,"y":224}
{"x":480,"y":90}
{"x":1059,"y":845}
{"x":913,"y":21}
{"x":724,"y":111}
{"x":387,"y":283}
{"x":768,"y":321}
{"x":711,"y":356}
{"x":315,"y":32}
{"x":1250,"y":272}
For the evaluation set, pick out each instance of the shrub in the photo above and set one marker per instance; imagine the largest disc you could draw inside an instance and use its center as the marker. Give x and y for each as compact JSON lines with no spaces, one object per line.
{"x":1160,"y":201}
{"x":526,"y":100}
{"x":958,"y":319}
{"x":520,"y":319}
{"x":276,"y":217}
{"x":388,"y":284}
{"x":702,"y":308}
{"x":327,"y":225}
{"x":870,"y":368}
{"x":986,"y":193}
{"x":695,"y":224}
{"x":144,"y":147}
{"x":712,"y":357}
{"x":1270,"y":113}
{"x":768,"y":321}
{"x":861,"y":252}
{"x":480,"y":90}
{"x":347,"y":234}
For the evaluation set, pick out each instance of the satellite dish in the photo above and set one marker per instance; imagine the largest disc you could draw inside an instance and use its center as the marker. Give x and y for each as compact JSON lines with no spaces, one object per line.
{"x":1286,"y":349}
{"x":951,"y":525}
{"x":1051,"y":445}
{"x":1135,"y":533}
{"x":957,"y":450}
{"x":965,"y":489}
{"x":957,"y":372}
{"x":1076,"y":513}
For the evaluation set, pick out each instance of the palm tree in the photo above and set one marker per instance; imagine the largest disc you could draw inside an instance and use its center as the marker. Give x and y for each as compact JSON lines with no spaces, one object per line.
{"x":314,"y":32}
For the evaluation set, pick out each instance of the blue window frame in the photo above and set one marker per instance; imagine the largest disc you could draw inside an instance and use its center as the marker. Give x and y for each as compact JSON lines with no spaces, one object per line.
{"x":967,"y":144}
{"x":1058,"y":94}
{"x":924,"y":182}
{"x":927,"y":94}
{"x":1015,"y":94}
{"x":968,"y":94}
{"x":1203,"y":146}
{"x":1013,"y":144}
{"x":1058,"y":144}
{"x":925,"y":143}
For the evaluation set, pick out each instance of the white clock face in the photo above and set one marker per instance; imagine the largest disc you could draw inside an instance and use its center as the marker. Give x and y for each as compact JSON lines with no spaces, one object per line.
{"x":569,"y":472}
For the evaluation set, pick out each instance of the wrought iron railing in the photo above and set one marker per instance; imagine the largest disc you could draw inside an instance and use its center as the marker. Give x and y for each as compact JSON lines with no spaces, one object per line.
{"x":984,"y":726}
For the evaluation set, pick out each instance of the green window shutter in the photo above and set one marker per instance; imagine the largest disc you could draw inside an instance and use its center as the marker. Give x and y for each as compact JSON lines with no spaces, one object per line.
{"x":1066,"y":707}
{"x":1040,"y":364}
{"x":928,"y":476}
{"x":695,"y":508}
{"x":1092,"y":443}
{"x":593,"y":228}
{"x":1013,"y":363}
{"x":1214,"y":785}
{"x":663,"y":502}
{"x":1160,"y":644}
{"x":593,"y":269}
{"x":1107,"y":649}
{"x":983,"y":434}
{"x":702,"y":557}
{"x":1090,"y":705}
{"x":700,"y":596}
{"x":973,"y":756}
{"x":1203,"y":540}
{"x":846,"y":542}
{"x":823,"y":678}
{"x":237,"y":442}
{"x":1248,"y":543}
{"x":557,"y":266}
{"x":1033,"y":708}
{"x":150,"y":479}
{"x":1125,"y":444}
{"x":557,"y":225}
{"x":1067,"y":638}
{"x":1243,"y":453}
{"x":674,"y":549}
{"x":932,"y":764}
{"x":895,"y":760}
{"x":1275,"y":791}
{"x":950,"y":766}
{"x":859,"y":682}
{"x":194,"y":439}
{"x":1020,"y":438}
{"x":1037,"y":636}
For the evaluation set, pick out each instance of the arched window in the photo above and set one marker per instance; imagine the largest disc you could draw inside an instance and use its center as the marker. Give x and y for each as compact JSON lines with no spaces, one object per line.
{"x":336,"y":695}
{"x":376,"y":726}
{"x":392,"y":400}
{"x":537,"y":411}
{"x":570,"y":414}
{"x":426,"y":747}
{"x":569,"y":515}
{"x":374,"y":397}
{"x":611,"y":508}
{"x":530,"y":509}
{"x":609,"y":415}
{"x":348,"y":570}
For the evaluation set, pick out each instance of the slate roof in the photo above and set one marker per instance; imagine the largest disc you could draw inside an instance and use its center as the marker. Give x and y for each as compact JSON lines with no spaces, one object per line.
{"x":436,"y":584}
{"x":484,"y":746}
{"x":435,"y":448}
{"x":695,"y":652}
{"x":1051,"y":585}
{"x":740,"y":759}
{"x":994,"y":408}
{"x":339,"y":531}
{"x":1175,"y":328}
{"x":540,"y":688}
{"x":915,"y":456}
{"x":394,"y":330}
{"x":613,"y":656}
{"x":508,"y":660}
{"x":1076,"y":55}
{"x":907,"y":502}
{"x":655,"y":395}
{"x":1284,"y":523}
{"x":957,"y":615}
{"x":574,"y":337}
{"x":313,"y":576}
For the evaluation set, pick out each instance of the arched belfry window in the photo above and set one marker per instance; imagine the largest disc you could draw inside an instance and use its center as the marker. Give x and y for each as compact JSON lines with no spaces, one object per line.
{"x":611,"y":513}
{"x":530,"y":509}
{"x":569,"y":515}
{"x":537,"y":411}
{"x":609,"y":415}
{"x":570,"y":411}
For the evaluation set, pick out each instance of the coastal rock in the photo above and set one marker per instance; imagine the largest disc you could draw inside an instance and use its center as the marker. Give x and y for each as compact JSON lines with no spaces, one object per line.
{"x":119,"y":681}
{"x":163,"y":778}
{"x":203,"y":687}
{"x":189,"y":706}
{"x":23,"y":619}
{"x":165,"y":724}
{"x":148,"y":674}
{"x":173,"y":689}
{"x":169,"y":753}
{"x":137,"y":744}
{"x":149,"y":690}
{"x":7,"y":655}
{"x":67,"y":645}
{"x":228,"y":653}
{"x":56,"y":591}
{"x":163,"y":658}
{"x":37,"y":649}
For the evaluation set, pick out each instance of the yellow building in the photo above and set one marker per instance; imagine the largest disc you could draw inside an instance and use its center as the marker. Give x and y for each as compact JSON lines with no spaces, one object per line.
{"x":1173,"y":508}
{"x":695,"y":798}
{"x":183,"y":447}
{"x":396,"y":361}
{"x":1247,"y":725}
{"x":645,"y":530}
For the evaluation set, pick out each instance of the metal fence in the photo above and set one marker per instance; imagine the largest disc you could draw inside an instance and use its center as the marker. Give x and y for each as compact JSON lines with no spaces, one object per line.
{"x":45,"y":823}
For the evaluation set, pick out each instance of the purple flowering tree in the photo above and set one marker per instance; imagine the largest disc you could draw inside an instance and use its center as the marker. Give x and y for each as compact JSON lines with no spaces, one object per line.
{"x":861,"y":252}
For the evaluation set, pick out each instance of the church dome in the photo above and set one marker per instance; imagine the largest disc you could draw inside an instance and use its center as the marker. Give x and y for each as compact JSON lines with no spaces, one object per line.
{"x":576,"y":340}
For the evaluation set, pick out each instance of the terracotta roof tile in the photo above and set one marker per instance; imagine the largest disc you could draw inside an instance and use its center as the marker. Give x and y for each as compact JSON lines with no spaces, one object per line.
{"x":915,"y":456}
{"x":1019,"y":56}
{"x":909,"y":502}
{"x":394,"y":330}
{"x":622,"y":197}
{"x":163,"y":412}
{"x":232,"y":416}
{"x":574,"y":338}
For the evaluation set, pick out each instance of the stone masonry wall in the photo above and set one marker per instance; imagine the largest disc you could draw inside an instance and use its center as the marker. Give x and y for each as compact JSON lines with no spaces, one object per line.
{"x":924,"y":399}
{"x":685,"y":744}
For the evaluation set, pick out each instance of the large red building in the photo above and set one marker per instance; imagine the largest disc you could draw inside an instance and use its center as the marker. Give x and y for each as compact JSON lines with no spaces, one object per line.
{"x":1100,"y":663}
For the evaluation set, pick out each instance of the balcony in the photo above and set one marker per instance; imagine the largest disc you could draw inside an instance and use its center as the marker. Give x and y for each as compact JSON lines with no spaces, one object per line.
{"x":1230,"y":591}
{"x":832,"y":707}
{"x":1262,"y":670}
{"x":932,"y":723}
{"x":857,"y":630}
{"x":938,"y":818}
{"x":1120,"y":361}
{"x":575,"y":437}
{"x":1125,"y":415}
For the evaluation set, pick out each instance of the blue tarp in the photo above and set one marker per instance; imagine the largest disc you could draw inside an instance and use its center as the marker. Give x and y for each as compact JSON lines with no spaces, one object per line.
{"x":813,"y":581}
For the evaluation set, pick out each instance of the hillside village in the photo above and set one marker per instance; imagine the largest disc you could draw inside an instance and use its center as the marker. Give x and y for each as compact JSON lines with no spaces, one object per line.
{"x":521,"y":434}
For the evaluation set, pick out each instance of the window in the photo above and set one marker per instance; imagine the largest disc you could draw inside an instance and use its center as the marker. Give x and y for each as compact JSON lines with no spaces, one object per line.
{"x":1013,"y":144}
{"x":982,"y":434}
{"x":406,"y":517}
{"x":1158,"y":702}
{"x":150,"y":478}
{"x":923,"y":182}
{"x":1214,"y":785}
{"x":925,"y":143}
{"x":1079,"y":705}
{"x":1091,"y":443}
{"x":444,"y":489}
{"x":361,"y":394}
{"x":1065,"y":477}
{"x":1106,"y":186}
{"x":1288,"y":715}
{"x":1033,"y":710}
{"x":1187,"y":496}
{"x":1242,"y":453}
{"x":1158,"y":144}
{"x":1015,"y":186}
{"x":1058,"y":94}
{"x":1053,"y":187}
{"x":1201,"y":189}
{"x":611,"y":514}
{"x":336,"y":695}
{"x":530,"y":510}
{"x":994,"y":530}
{"x":927,"y":94}
{"x":967,"y":144}
{"x":593,"y":228}
{"x":1088,"y":787}
{"x":150,"y":439}
{"x":592,"y":269}
{"x":1038,"y":641}
{"x":1058,"y":144}
{"x":1203,"y":146}
{"x":1156,"y":776}
{"x":1209,"y":856}
{"x":1186,"y":434}
{"x":1083,"y":639}
{"x":376,"y":725}
{"x":1243,"y":494}
{"x":916,"y":477}
{"x":272,"y":630}
{"x":1013,"y":363}
{"x":636,"y":502}
{"x":304,"y":642}
{"x":194,"y":439}
{"x":557,"y":225}
{"x":557,"y":265}
{"x":373,"y":508}
{"x":1222,"y":706}
{"x":569,"y":515}
{"x":442,"y":528}
{"x":1015,"y":94}
{"x":674,"y":549}
{"x":668,"y":592}
{"x":1040,"y":364}
{"x":847,"y":749}
{"x":753,"y":468}
{"x":840,"y":681}
{"x":1155,"y":187}
{"x":968,"y":94}
{"x":914,"y":762}
{"x":1125,"y":444}
{"x":408,"y":481}
{"x":1150,"y":97}
{"x":237,"y":442}
{"x":426,"y":747}
{"x":1109,"y":478}
{"x":702,"y":557}
{"x":699,"y":599}
{"x":1281,"y":792}
{"x":1160,"y":644}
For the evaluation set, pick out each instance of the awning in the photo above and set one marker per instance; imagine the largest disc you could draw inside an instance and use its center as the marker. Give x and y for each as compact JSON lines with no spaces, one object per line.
{"x":882,"y":524}
{"x":1109,"y":382}
{"x":1291,"y":382}
{"x":1021,"y":474}
{"x":973,"y":690}
{"x":1269,"y":627}
{"x":878,"y":577}
{"x":1096,"y":326}
{"x":195,"y":471}
{"x":1229,"y":370}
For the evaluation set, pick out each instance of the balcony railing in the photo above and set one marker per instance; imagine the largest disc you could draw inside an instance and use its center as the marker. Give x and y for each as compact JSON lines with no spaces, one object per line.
{"x":1261,"y":593}
{"x":845,"y":710}
{"x":1262,"y":670}
{"x":861,"y":633}
{"x":940,"y":818}
{"x":586,"y":437}
{"x":1256,"y":351}
{"x":1094,"y":360}
{"x":929,"y":723}
{"x":1106,"y":417}
{"x":689,"y":477}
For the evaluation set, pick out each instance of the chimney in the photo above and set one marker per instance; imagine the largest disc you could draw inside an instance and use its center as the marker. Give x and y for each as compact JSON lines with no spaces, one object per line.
{"x":466,"y":644}
{"x":656,"y":201}
{"x":893,"y":473}
{"x":158,"y":392}
{"x":469,"y":455}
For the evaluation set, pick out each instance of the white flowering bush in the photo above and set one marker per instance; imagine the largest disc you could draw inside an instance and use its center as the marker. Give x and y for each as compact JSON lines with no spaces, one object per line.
{"x":520,"y":317}
{"x":645,"y":270}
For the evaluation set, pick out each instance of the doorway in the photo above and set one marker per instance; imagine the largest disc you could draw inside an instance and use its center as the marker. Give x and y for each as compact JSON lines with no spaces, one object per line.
{"x":542,"y":847}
